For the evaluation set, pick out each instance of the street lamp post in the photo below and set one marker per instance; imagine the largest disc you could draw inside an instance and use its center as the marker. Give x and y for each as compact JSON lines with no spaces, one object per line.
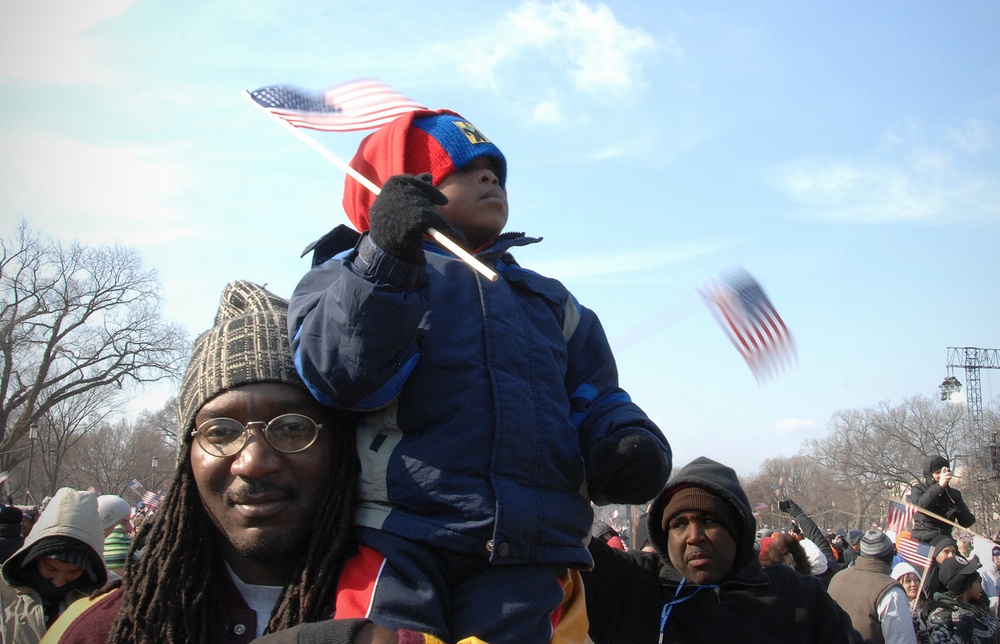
{"x":156,"y":461}
{"x":32,"y":437}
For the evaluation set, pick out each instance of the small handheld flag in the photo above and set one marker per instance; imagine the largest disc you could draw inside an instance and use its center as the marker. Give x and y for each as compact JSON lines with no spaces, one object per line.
{"x":363,"y":104}
{"x":916,"y":553}
{"x":357,"y":105}
{"x":754,"y":327}
{"x":899,"y":516}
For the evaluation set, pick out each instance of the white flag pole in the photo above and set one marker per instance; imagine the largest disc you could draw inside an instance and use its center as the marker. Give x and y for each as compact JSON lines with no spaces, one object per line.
{"x":437,"y":235}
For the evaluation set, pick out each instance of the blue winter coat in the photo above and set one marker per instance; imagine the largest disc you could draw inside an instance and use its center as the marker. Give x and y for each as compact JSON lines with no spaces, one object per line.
{"x":482,"y":400}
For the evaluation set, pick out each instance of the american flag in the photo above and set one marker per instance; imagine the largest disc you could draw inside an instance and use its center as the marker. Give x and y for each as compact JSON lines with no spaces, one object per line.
{"x":918,"y":554}
{"x":363,"y":104}
{"x":753,"y":325}
{"x":152,"y":499}
{"x":135,"y":485}
{"x":899,"y":516}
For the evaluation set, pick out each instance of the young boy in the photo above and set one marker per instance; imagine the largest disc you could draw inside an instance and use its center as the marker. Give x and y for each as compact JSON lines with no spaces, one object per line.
{"x":493,"y":414}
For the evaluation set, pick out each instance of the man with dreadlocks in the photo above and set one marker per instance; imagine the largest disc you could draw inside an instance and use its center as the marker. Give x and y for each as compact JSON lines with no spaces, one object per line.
{"x":257,"y":524}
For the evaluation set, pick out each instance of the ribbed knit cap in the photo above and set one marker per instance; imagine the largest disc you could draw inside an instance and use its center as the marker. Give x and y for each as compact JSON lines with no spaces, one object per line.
{"x":113,"y":509}
{"x":698,"y":498}
{"x":438,"y":142}
{"x":876,"y":544}
{"x":248,"y":344}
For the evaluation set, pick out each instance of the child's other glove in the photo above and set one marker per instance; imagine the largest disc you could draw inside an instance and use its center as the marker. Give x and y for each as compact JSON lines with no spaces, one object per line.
{"x":403,"y":211}
{"x":627,"y":467}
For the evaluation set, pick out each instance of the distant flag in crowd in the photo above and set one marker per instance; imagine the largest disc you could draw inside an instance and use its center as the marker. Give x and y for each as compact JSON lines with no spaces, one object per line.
{"x":135,"y":485}
{"x":760,"y":508}
{"x":152,"y":499}
{"x":779,"y":487}
{"x":899,"y":516}
{"x":916,"y":553}
{"x":362,"y":104}
{"x":754,"y":327}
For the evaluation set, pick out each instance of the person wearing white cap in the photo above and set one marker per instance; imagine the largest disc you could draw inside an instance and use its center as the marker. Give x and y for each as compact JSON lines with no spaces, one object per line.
{"x":875,"y":601}
{"x":114,"y":512}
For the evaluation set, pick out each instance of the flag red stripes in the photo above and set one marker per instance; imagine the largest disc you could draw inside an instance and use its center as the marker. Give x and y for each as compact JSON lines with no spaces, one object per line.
{"x":356,"y":105}
{"x":918,"y":554}
{"x":753,"y":325}
{"x":152,"y":499}
{"x":899,"y":517}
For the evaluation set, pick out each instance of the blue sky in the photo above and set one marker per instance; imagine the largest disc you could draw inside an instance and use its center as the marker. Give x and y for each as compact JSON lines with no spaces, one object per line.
{"x":847,"y":155}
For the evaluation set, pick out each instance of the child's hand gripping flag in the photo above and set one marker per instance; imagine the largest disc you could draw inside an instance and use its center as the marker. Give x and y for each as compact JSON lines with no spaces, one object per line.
{"x":363,"y":104}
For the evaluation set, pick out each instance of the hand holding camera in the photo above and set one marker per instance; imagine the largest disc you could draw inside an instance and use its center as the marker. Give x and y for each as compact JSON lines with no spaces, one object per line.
{"x":945,"y":477}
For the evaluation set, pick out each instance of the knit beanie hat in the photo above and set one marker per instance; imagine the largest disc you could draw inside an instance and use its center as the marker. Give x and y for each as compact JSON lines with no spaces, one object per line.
{"x":902,"y":569}
{"x":941,"y":542}
{"x":69,"y":550}
{"x":113,"y":509}
{"x":248,"y":344}
{"x":11,"y":515}
{"x":854,"y":536}
{"x":876,"y":544}
{"x":933,"y":464}
{"x":439,"y":142}
{"x":957,"y":574}
{"x":698,"y":498}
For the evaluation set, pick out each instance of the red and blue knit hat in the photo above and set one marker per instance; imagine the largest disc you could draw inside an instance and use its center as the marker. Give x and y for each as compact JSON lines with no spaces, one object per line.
{"x":439,"y":142}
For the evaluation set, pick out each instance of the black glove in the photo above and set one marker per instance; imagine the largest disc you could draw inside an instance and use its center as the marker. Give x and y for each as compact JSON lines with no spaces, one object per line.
{"x":403,"y":211}
{"x":627,"y":467}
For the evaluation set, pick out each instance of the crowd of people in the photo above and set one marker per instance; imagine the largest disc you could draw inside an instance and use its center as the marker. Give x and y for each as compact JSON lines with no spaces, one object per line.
{"x":408,"y":452}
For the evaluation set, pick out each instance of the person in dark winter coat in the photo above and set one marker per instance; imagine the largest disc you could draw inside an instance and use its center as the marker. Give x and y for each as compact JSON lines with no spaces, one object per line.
{"x":812,"y":532}
{"x":935,"y":494}
{"x":876,"y":602}
{"x":10,"y":531}
{"x":959,"y":613}
{"x":705,"y":583}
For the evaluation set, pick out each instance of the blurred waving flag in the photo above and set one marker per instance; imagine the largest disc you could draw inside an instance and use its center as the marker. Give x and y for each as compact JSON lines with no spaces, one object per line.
{"x":916,"y":553}
{"x":899,"y":516}
{"x":152,"y":499}
{"x":749,"y":319}
{"x":135,"y":485}
{"x":356,"y":105}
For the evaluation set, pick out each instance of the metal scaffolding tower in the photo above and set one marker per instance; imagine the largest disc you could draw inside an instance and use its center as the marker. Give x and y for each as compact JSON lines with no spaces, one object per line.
{"x":972,"y":360}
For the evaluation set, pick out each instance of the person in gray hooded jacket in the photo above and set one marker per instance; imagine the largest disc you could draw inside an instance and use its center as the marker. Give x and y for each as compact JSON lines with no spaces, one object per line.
{"x":61,"y":561}
{"x":705,"y":583}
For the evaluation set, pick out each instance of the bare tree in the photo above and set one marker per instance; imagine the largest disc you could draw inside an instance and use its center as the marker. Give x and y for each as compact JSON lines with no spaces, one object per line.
{"x":162,"y":422}
{"x":804,"y":480}
{"x":876,"y":453}
{"x":74,"y":320}
{"x":119,"y":452}
{"x":63,"y":425}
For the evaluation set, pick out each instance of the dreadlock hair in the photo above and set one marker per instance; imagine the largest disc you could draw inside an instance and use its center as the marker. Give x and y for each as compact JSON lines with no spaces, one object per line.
{"x":171,"y":592}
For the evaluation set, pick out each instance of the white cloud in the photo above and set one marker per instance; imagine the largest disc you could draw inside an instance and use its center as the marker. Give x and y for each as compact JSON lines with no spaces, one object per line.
{"x":593,"y":49}
{"x":547,"y":111}
{"x":91,"y":192}
{"x":46,"y":39}
{"x":976,"y":136}
{"x":907,"y":182}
